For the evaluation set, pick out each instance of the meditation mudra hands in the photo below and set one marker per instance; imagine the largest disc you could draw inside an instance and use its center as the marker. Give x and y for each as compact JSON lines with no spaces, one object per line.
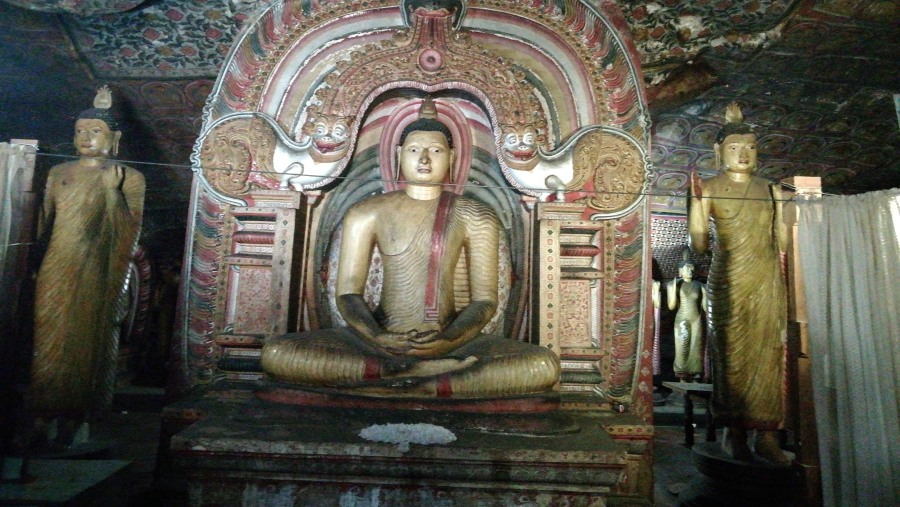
{"x":395,"y":343}
{"x":414,"y":343}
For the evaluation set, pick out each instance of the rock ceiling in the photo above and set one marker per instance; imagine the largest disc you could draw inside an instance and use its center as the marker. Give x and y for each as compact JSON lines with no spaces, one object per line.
{"x":817,"y":78}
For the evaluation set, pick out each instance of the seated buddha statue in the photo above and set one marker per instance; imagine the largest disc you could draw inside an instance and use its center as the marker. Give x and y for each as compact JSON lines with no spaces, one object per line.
{"x":416,"y":343}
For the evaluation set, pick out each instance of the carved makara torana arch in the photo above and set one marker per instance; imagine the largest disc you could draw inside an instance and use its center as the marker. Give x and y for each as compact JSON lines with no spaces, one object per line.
{"x":546,"y":104}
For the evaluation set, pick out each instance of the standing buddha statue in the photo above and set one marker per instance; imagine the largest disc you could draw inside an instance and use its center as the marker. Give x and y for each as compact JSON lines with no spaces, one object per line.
{"x":688,"y":296}
{"x":746,"y":290}
{"x":90,"y":221}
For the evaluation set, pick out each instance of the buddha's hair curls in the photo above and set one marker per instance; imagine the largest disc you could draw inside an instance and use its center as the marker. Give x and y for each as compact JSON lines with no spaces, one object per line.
{"x":734,"y":123}
{"x":104,"y":115}
{"x":427,"y":125}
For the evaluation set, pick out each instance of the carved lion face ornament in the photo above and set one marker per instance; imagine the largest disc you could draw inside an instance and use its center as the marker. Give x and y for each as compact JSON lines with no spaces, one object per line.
{"x":520,"y":147}
{"x":329,"y":136}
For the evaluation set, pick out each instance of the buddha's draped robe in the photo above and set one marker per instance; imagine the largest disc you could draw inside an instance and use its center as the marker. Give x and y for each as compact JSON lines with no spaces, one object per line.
{"x":92,"y":233}
{"x":338,"y":357}
{"x":688,"y":335}
{"x":749,"y":312}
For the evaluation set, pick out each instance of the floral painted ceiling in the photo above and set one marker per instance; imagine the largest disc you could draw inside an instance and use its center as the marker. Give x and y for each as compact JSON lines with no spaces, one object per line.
{"x":816,"y":77}
{"x":79,"y":7}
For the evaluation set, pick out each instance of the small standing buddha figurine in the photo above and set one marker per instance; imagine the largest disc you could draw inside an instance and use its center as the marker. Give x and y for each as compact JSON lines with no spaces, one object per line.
{"x":688,"y":296}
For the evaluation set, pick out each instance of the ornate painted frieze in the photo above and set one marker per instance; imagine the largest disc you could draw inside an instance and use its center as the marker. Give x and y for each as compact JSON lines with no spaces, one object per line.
{"x":236,"y":154}
{"x":611,"y":170}
{"x":79,"y":7}
{"x":562,"y":69}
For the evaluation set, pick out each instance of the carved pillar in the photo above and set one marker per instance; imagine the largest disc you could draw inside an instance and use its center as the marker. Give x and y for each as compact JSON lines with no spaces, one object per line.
{"x":258,"y":278}
{"x":573,"y":266}
{"x":801,"y":410}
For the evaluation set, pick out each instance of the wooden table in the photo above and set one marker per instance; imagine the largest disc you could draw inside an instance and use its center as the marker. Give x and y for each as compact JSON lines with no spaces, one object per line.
{"x":689,"y":390}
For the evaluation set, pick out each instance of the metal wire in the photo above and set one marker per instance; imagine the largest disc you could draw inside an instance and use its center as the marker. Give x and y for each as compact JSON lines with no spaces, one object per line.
{"x":472,"y":183}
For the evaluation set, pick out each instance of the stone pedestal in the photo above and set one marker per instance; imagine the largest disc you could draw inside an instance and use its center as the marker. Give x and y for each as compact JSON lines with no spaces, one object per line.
{"x":688,"y":393}
{"x":723,"y":480}
{"x":257,"y":453}
{"x":70,"y":483}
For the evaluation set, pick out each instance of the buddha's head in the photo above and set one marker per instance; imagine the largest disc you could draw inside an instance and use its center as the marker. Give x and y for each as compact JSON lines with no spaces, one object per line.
{"x":686,"y":270}
{"x":735,"y":146}
{"x":686,"y":266}
{"x":737,"y":153}
{"x":96,"y":129}
{"x":426,"y":152}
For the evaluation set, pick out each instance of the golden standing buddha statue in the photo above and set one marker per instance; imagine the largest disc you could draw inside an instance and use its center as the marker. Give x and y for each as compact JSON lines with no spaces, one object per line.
{"x":747,"y":297}
{"x":688,"y":296}
{"x":90,"y":221}
{"x":416,"y":343}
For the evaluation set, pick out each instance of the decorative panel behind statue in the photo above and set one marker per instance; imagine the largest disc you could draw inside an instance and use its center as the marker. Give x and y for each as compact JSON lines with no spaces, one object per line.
{"x":90,"y":221}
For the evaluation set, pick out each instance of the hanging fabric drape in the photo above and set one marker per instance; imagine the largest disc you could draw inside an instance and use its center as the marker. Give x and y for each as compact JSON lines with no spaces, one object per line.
{"x":12,"y":158}
{"x":850,"y":254}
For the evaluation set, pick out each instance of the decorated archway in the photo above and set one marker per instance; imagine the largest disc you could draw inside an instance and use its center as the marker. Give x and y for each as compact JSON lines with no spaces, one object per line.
{"x":548,"y":103}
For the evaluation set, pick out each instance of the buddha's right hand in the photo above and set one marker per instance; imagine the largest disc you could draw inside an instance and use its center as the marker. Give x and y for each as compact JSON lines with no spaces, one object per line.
{"x":696,"y":186}
{"x":113,"y":177}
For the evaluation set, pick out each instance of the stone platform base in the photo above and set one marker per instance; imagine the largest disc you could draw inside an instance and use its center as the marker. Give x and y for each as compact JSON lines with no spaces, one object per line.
{"x":369,"y":492}
{"x":70,"y":483}
{"x":724,"y":480}
{"x":526,"y":404}
{"x":258,"y":453}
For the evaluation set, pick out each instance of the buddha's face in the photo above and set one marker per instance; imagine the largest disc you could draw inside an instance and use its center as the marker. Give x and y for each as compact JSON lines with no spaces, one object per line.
{"x":687,"y":271}
{"x":738,"y":153}
{"x":425,"y":157}
{"x":93,"y":138}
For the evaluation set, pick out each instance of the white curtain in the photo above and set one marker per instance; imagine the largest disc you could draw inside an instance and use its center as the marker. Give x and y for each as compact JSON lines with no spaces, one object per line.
{"x":12,"y":157}
{"x":850,"y":255}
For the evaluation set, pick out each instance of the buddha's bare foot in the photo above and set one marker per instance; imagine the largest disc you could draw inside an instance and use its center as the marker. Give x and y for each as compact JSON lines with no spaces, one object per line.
{"x":734,"y":443}
{"x":81,"y":435}
{"x":768,"y":449}
{"x":50,"y":429}
{"x":434,"y":367}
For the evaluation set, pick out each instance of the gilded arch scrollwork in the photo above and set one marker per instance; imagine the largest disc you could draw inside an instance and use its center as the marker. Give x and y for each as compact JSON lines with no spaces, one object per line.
{"x":434,"y":56}
{"x":236,"y":155}
{"x":610,"y":170}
